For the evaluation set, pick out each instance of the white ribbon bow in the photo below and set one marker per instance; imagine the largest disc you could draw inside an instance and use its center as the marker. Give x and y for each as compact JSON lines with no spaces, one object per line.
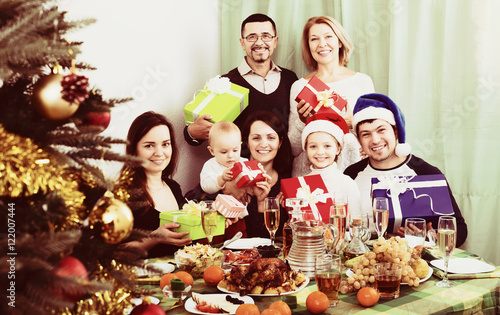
{"x":216,"y":86}
{"x":318,"y":195}
{"x":398,"y":185}
{"x":245,"y":171}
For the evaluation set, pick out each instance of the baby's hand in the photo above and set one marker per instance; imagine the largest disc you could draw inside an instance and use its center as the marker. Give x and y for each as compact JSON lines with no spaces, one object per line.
{"x":227,"y":175}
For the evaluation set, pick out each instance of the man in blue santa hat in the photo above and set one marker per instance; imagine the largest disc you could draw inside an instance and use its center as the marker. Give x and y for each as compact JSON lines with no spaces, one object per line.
{"x":379,"y":125}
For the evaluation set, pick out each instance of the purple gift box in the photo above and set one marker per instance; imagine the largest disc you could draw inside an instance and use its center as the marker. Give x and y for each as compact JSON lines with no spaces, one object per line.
{"x":422,"y":196}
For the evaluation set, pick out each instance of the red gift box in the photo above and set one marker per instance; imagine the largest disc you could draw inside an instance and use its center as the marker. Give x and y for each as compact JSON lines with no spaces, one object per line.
{"x":228,"y":206}
{"x":422,"y":196}
{"x":313,"y":190}
{"x":247,"y":173}
{"x":321,"y":97}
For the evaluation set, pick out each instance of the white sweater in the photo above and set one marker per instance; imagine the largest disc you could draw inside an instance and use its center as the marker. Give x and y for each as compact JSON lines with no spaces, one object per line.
{"x":336,"y":181}
{"x":350,"y":89}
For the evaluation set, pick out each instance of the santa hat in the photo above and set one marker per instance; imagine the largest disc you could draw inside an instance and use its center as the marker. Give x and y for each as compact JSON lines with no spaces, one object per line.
{"x":379,"y":106}
{"x":331,"y":123}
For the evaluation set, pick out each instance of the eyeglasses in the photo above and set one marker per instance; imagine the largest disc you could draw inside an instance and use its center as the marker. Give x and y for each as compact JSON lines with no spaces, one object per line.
{"x":254,"y":37}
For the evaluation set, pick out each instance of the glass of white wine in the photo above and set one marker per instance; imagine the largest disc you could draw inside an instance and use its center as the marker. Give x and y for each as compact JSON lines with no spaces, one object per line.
{"x":415,"y":231}
{"x":380,"y":215}
{"x":447,"y":240}
{"x":209,"y":220}
{"x":271,"y":216}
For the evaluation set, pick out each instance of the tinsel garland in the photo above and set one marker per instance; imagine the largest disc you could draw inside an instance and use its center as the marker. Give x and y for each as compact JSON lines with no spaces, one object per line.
{"x":27,"y":169}
{"x":123,"y":185}
{"x":114,"y":301}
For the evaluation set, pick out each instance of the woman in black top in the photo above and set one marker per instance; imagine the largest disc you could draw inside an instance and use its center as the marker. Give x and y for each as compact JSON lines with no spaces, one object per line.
{"x":266,"y":138}
{"x":151,"y":137}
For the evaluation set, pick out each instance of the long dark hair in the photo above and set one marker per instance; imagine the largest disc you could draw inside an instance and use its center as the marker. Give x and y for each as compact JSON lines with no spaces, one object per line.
{"x":283,"y":160}
{"x":139,"y":128}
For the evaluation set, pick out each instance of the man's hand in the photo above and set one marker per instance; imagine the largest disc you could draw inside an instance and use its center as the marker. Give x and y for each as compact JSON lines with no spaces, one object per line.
{"x":200,"y":127}
{"x":304,"y":110}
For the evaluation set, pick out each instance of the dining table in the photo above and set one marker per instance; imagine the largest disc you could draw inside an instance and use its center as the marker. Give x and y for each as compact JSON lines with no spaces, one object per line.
{"x":473,"y":293}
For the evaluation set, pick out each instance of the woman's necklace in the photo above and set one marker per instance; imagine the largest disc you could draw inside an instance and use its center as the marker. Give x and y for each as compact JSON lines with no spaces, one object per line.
{"x":157,"y":189}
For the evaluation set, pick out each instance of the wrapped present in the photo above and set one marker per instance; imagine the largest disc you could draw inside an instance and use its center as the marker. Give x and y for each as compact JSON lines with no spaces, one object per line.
{"x":189,"y":220}
{"x":247,"y":173}
{"x":220,"y":98}
{"x":422,"y":196}
{"x":312,"y":189}
{"x":228,"y":206}
{"x":321,"y":97}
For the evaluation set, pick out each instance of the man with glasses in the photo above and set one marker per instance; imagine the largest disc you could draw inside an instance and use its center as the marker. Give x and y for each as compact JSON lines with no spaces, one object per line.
{"x":269,"y":84}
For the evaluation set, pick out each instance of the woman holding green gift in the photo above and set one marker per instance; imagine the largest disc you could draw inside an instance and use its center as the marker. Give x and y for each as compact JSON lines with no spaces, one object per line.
{"x":151,"y":137}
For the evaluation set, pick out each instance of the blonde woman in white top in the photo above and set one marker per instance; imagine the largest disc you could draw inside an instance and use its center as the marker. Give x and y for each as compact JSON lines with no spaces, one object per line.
{"x":326,"y":49}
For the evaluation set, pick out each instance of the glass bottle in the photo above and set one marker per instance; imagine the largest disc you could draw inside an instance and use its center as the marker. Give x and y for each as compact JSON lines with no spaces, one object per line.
{"x":356,"y":247}
{"x":294,"y":215}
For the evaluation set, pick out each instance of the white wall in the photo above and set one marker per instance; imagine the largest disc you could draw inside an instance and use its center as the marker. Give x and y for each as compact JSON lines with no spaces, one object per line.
{"x":160,"y":52}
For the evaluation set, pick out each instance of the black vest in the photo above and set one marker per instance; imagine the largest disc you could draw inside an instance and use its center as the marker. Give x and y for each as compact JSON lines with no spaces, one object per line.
{"x":277,"y":102}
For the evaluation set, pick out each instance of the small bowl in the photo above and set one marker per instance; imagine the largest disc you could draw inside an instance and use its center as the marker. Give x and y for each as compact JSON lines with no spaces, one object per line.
{"x":198,"y":266}
{"x":269,"y":251}
{"x":182,"y":294}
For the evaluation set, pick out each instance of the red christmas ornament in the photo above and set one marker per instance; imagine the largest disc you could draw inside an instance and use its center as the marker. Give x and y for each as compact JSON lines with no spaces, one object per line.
{"x":147,"y":309}
{"x":98,"y":119}
{"x":70,"y":267}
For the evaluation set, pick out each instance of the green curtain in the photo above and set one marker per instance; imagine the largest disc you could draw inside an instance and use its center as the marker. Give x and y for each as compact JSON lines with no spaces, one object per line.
{"x":438,"y":60}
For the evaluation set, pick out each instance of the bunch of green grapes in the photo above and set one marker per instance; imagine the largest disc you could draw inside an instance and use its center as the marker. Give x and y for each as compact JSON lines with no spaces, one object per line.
{"x":393,"y":250}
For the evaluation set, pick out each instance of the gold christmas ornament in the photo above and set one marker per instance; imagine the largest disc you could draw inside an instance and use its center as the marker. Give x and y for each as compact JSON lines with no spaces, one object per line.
{"x":112,"y":219}
{"x":48,"y":99}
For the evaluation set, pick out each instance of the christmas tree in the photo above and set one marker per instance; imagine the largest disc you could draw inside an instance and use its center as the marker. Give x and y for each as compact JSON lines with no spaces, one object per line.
{"x":64,"y":223}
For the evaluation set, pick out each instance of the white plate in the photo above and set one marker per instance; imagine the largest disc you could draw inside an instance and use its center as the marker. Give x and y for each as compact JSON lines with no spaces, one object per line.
{"x":306,"y":282}
{"x":429,"y":274}
{"x":464,"y":265}
{"x":248,"y":243}
{"x":190,"y":305}
{"x":163,"y":267}
{"x":138,"y":301}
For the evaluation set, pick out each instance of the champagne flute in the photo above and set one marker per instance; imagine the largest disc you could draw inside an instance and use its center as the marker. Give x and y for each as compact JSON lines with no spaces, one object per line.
{"x":338,"y":217}
{"x":447,"y":240}
{"x":271,"y":216}
{"x":380,"y":215}
{"x":415,"y":231}
{"x":209,"y":220}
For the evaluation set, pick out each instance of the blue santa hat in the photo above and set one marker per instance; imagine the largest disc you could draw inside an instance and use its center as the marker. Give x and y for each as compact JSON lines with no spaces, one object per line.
{"x":379,"y":106}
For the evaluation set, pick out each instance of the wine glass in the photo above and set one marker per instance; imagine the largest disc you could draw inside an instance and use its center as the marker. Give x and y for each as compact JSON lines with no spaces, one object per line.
{"x":447,"y":240}
{"x":209,"y":220}
{"x":380,"y":215}
{"x":415,"y":231}
{"x":338,"y":217}
{"x":271,"y":216}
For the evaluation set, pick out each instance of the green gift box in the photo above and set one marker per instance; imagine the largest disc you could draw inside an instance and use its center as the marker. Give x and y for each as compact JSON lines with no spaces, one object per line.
{"x":191,"y":223}
{"x":220,"y":98}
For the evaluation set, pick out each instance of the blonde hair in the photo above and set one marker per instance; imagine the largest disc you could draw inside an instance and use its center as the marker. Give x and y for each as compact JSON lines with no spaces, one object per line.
{"x":222,"y":127}
{"x":344,"y":52}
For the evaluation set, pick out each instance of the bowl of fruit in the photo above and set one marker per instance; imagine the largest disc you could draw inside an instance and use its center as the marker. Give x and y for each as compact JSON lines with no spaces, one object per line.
{"x":269,"y":251}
